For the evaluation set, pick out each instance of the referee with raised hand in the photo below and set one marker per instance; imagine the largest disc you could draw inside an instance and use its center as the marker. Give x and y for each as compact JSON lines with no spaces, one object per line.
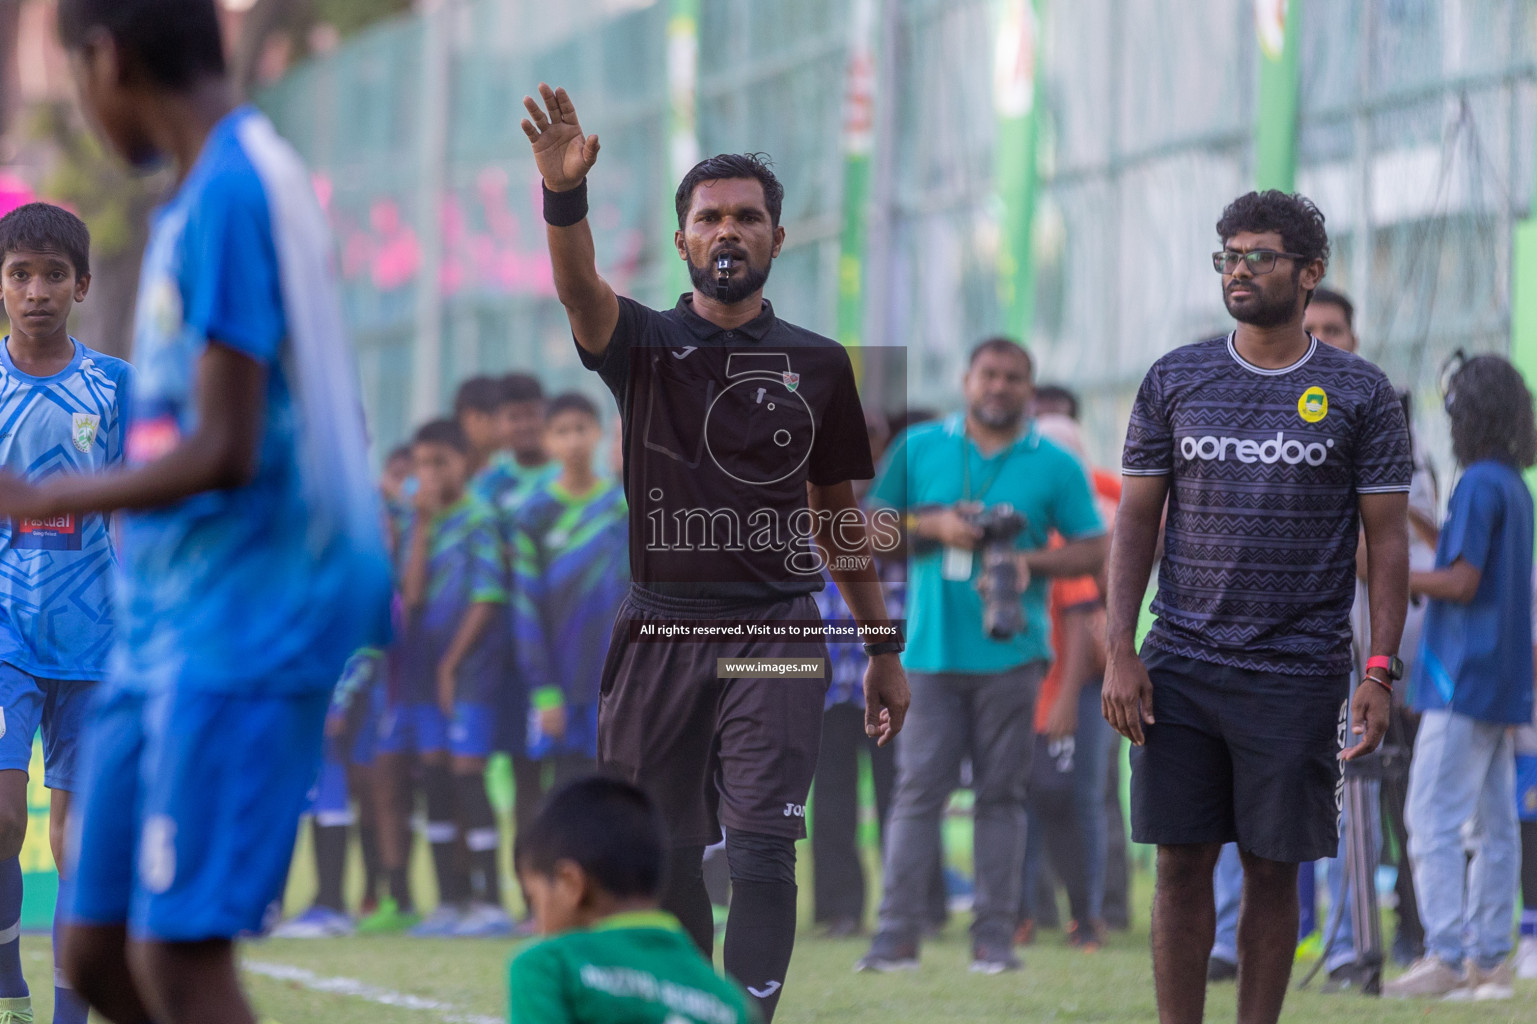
{"x":742,"y":434}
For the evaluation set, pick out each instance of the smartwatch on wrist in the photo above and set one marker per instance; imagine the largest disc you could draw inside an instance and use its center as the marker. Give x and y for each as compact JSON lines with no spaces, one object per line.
{"x":895,"y":645}
{"x":1389,"y":663}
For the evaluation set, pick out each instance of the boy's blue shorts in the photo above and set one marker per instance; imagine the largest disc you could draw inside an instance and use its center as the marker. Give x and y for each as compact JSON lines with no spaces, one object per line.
{"x":421,"y":728}
{"x":59,"y":706}
{"x":189,"y":802}
{"x":328,"y":797}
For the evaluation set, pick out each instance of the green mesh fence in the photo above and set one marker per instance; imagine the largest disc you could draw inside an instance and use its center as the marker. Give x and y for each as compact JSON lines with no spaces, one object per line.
{"x":1415,"y":137}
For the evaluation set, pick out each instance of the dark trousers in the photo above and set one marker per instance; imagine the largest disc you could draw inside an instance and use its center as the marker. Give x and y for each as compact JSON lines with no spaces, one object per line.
{"x":837,"y":868}
{"x":1402,"y":727}
{"x":1117,"y":910}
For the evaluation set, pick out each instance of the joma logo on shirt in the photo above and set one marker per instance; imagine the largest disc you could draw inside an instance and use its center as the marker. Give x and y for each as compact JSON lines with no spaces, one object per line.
{"x":1269,"y":451}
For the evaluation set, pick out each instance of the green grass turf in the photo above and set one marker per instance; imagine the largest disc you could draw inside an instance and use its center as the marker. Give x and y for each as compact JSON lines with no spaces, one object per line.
{"x":1057,"y":984}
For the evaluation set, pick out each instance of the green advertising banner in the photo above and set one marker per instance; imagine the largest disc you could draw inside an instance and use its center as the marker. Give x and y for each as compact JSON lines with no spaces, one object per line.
{"x":39,"y":876}
{"x":1523,"y":302}
{"x":683,"y":128}
{"x":858,"y":143}
{"x":1016,"y":79}
{"x":1275,"y":131}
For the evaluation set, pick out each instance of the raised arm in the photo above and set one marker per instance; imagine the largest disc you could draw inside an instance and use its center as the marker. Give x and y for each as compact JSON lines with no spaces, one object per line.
{"x":564,"y":155}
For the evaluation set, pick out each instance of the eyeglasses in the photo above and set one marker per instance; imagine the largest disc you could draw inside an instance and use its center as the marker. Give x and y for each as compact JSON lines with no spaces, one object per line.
{"x":1259,"y":261}
{"x":1449,"y":370}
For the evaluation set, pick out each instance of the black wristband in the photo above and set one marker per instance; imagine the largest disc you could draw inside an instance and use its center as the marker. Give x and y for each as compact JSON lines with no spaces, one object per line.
{"x":563,"y":209}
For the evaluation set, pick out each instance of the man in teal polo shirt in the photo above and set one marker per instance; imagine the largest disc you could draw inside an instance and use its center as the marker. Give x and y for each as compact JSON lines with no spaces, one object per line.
{"x":973,"y":695}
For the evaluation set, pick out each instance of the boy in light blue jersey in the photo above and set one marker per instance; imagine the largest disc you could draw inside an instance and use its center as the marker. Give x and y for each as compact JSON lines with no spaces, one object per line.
{"x":62,"y":411}
{"x":570,"y":574}
{"x":252,"y":561}
{"x":453,"y":587}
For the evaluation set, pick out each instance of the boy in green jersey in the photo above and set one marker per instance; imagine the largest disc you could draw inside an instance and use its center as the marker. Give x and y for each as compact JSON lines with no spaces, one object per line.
{"x":591,"y":865}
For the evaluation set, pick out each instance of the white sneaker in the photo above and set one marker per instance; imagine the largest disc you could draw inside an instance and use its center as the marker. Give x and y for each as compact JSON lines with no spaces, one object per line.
{"x":1428,"y":977}
{"x":1526,"y":958}
{"x":1495,"y":983}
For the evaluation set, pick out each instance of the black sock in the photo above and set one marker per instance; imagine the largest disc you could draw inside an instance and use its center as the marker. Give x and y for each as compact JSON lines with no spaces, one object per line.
{"x":443,"y":835}
{"x":400,"y":889}
{"x":685,"y":897}
{"x":1529,"y":865}
{"x":368,"y":842}
{"x":481,"y":836}
{"x":330,"y":864}
{"x":760,"y":928}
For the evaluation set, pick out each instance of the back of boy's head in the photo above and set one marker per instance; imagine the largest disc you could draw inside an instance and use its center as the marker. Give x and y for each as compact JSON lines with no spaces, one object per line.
{"x":571,"y":401}
{"x":609,"y":828}
{"x":444,"y":432}
{"x":43,"y":227}
{"x":521,"y":387}
{"x":478,"y":394}
{"x":169,"y":43}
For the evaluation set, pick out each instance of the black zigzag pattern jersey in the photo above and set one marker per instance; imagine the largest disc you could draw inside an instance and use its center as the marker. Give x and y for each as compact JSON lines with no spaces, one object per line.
{"x":1264,"y":470}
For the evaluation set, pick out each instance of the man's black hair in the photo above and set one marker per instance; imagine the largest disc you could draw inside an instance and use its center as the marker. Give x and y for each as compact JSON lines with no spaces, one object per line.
{"x":1056,"y":393}
{"x":999,"y":343}
{"x":444,"y":432}
{"x":400,"y":451}
{"x":521,"y":387}
{"x":609,"y":828}
{"x":478,"y":394}
{"x":43,"y":227}
{"x":171,"y":43}
{"x":571,"y":401}
{"x":732,"y":165}
{"x":1491,"y":411}
{"x":1330,"y":297}
{"x":1299,"y":222}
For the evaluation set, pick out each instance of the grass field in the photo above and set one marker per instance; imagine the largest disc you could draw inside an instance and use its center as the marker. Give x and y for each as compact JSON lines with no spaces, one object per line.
{"x":1057,"y":984}
{"x":440,"y":981}
{"x":424,"y":981}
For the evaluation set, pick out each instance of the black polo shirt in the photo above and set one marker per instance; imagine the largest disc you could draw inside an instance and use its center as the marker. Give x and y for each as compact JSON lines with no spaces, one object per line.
{"x":722,"y":431}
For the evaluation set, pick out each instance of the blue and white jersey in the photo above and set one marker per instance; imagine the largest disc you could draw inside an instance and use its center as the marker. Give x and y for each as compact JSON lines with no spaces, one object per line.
{"x":265,"y":588}
{"x":56,"y":574}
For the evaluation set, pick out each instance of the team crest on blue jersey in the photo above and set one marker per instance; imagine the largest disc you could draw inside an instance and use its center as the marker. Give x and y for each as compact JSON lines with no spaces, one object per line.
{"x":83,"y":430}
{"x":792,"y":380}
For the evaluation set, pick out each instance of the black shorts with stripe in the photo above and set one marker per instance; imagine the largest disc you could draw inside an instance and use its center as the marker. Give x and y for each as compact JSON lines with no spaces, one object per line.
{"x":1240,"y":756}
{"x":738,"y":752}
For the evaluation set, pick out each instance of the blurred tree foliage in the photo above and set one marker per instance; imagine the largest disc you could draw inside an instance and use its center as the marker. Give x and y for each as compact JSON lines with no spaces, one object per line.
{"x":349,"y":16}
{"x":113,"y":201}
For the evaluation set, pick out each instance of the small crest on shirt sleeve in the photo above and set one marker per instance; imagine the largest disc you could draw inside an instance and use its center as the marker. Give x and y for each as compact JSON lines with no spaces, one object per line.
{"x":83,"y":430}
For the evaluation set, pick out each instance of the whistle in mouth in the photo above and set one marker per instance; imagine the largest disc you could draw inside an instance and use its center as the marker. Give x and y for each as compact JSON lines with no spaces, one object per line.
{"x":723,"y":267}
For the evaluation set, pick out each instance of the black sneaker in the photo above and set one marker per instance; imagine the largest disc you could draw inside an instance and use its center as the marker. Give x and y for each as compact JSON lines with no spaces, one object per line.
{"x":1353,"y":977}
{"x":842,"y":928}
{"x":1221,"y":969}
{"x":888,"y":957}
{"x":993,"y":960}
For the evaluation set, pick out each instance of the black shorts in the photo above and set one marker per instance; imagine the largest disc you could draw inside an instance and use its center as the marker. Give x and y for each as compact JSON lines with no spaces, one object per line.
{"x":736,"y":752}
{"x":1240,"y":756}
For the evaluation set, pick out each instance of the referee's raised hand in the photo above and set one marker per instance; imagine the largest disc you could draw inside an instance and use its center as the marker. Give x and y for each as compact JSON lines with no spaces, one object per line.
{"x":562,"y":152}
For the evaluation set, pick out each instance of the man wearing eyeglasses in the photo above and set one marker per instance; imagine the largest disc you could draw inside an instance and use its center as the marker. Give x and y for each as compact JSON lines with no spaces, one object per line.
{"x":1271,"y":449}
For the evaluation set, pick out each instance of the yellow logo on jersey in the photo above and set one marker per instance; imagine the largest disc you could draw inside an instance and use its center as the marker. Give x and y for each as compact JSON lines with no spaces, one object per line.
{"x":1313,"y":405}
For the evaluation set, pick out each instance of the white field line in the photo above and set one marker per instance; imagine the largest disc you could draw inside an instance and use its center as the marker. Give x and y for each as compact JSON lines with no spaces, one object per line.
{"x":447,"y":1012}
